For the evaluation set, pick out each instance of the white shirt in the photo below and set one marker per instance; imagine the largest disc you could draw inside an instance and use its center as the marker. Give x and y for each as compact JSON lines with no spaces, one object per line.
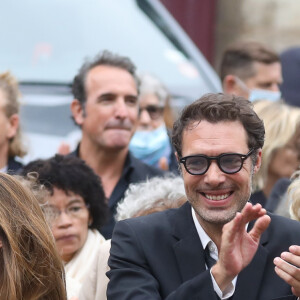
{"x":213,"y":250}
{"x":4,"y":169}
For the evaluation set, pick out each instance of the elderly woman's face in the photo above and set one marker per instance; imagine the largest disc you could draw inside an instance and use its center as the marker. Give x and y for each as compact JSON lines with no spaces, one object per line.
{"x":69,"y":218}
{"x":151,"y":113}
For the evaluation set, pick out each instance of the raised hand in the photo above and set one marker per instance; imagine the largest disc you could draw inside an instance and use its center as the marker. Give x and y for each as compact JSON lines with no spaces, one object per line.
{"x":287,"y":268}
{"x":163,"y":164}
{"x":238,"y":246}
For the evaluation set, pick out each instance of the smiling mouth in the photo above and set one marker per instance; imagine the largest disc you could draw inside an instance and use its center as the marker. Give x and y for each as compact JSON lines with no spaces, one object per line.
{"x":216,"y":197}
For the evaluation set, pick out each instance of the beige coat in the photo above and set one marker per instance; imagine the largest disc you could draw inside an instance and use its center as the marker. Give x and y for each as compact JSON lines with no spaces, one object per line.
{"x":95,"y":283}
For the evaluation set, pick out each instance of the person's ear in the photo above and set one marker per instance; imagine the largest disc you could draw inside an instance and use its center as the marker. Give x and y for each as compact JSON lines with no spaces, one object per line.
{"x":177,"y":157}
{"x":12,"y":126}
{"x":258,"y":161}
{"x":230,"y":84}
{"x":77,"y":112}
{"x":235,"y":86}
{"x":179,"y":164}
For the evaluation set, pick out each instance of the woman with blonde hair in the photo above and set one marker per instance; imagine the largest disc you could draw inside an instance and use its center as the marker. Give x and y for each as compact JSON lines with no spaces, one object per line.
{"x":11,"y":144}
{"x":30,"y":267}
{"x":281,"y":151}
{"x":291,"y":203}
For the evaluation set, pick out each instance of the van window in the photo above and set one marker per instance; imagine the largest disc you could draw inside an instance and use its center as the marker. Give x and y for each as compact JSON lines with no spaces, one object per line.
{"x":46,"y":41}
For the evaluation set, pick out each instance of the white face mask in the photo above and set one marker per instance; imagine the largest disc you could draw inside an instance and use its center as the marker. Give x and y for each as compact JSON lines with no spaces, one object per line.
{"x":259,"y":94}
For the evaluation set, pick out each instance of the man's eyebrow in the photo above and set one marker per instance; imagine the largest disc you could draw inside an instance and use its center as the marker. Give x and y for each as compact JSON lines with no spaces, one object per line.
{"x":131,"y":96}
{"x":107,"y":95}
{"x":111,"y":95}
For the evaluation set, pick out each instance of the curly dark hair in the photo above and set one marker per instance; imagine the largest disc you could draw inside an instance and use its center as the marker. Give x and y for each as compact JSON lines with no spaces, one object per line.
{"x":217,"y":108}
{"x":71,"y":174}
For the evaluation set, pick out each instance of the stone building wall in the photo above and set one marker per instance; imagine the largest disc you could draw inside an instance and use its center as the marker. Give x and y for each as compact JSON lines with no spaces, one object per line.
{"x":273,"y":22}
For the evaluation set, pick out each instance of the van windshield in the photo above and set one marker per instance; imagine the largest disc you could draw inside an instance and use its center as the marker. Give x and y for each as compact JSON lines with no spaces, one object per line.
{"x":46,"y":41}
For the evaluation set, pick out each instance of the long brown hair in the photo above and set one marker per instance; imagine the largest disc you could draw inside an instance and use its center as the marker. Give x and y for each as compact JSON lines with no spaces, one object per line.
{"x":30,"y":267}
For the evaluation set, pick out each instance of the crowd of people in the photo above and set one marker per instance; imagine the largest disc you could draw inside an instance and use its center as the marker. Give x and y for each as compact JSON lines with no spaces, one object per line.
{"x":148,"y":207}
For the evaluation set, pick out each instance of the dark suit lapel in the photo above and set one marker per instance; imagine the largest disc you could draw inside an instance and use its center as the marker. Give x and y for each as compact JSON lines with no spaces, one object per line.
{"x":249,"y":280}
{"x":187,"y":246}
{"x":190,"y":255}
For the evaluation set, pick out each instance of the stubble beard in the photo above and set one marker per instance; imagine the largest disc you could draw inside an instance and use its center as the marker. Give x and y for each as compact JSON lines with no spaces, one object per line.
{"x":219,"y":216}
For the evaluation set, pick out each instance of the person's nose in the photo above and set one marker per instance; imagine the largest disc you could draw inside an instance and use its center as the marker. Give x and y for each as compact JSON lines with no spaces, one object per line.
{"x":121,"y":109}
{"x":63,"y":220}
{"x":275,"y":87}
{"x":214,"y":176}
{"x":144,"y":118}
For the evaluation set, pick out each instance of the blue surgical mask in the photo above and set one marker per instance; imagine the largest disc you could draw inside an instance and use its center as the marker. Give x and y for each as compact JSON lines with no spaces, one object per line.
{"x":151,"y":146}
{"x":258,"y":94}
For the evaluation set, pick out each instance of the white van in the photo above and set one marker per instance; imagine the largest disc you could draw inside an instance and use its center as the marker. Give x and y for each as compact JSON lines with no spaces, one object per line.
{"x":44,"y":42}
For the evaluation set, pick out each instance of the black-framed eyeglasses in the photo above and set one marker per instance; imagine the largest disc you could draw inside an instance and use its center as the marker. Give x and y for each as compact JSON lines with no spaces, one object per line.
{"x":228,"y":163}
{"x":154,"y":111}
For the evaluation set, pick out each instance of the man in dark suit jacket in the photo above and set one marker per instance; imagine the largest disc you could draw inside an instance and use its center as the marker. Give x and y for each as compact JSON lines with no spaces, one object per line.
{"x":218,"y":141}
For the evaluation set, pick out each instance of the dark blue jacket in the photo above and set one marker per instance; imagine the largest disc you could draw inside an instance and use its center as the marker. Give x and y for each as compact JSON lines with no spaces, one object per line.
{"x":13,"y":166}
{"x":134,"y":171}
{"x":160,"y":256}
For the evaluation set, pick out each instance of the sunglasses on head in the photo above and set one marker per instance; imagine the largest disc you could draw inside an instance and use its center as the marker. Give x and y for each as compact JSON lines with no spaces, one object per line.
{"x":228,"y":163}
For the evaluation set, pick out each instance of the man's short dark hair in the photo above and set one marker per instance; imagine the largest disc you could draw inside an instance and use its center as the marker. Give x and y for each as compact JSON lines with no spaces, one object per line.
{"x":216,"y":108}
{"x":238,"y":59}
{"x":105,"y":58}
{"x":71,"y":174}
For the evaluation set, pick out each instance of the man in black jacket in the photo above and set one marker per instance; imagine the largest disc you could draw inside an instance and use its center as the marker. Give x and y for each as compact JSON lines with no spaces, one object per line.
{"x":210,"y":248}
{"x":105,"y":106}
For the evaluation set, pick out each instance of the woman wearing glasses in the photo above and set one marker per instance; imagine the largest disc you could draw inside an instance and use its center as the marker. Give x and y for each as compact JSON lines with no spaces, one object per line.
{"x":75,"y":209}
{"x":151,"y":142}
{"x":30,"y":267}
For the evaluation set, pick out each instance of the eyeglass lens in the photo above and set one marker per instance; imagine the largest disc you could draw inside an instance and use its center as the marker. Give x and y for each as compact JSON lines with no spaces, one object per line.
{"x":154,"y":111}
{"x":229,"y":163}
{"x":52,"y":213}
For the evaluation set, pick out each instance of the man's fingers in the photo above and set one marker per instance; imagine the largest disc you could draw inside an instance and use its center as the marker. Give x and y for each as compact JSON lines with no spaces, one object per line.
{"x":233,"y":228}
{"x":259,"y":227}
{"x":289,"y":273}
{"x":288,"y":268}
{"x":291,"y":259}
{"x":290,"y":280}
{"x":251,"y":212}
{"x":295,"y":250}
